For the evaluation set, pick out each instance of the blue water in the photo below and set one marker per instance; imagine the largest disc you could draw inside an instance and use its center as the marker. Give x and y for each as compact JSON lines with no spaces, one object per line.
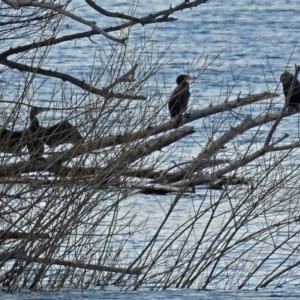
{"x":169,"y":294}
{"x":251,"y":43}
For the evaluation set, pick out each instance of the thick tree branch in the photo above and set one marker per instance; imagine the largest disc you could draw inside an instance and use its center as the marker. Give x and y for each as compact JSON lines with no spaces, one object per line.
{"x":110,"y":14}
{"x":149,"y":19}
{"x":26,"y":167}
{"x":226,"y":105}
{"x":209,"y":177}
{"x":161,"y":16}
{"x":214,"y":146}
{"x":71,"y":79}
{"x":52,"y":163}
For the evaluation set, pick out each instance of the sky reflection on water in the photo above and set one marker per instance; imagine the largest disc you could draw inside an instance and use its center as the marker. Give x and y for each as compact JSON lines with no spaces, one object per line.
{"x":255,"y":39}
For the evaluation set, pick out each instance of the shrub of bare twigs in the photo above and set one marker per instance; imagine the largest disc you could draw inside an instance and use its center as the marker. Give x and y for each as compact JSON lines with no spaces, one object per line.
{"x":69,"y":219}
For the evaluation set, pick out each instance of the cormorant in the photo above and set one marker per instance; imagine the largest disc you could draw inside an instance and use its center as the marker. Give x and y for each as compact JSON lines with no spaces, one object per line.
{"x":57,"y":134}
{"x":36,"y":141}
{"x":36,"y":136}
{"x":286,"y":78}
{"x":180,"y":96}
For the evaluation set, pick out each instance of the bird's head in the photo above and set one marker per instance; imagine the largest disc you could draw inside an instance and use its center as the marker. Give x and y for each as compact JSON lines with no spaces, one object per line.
{"x":286,"y":78}
{"x":182,"y":78}
{"x":35,"y":110}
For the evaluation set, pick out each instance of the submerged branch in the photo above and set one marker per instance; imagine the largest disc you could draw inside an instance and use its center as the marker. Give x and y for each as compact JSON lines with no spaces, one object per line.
{"x":162,"y":189}
{"x":22,"y":235}
{"x":101,"y":268}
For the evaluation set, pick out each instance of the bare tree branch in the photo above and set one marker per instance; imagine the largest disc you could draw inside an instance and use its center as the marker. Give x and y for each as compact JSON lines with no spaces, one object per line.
{"x":59,"y":8}
{"x":71,"y":264}
{"x":71,"y":79}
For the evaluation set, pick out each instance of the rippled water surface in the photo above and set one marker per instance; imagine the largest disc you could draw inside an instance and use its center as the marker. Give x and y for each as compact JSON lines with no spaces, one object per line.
{"x":252,"y":42}
{"x":169,"y":294}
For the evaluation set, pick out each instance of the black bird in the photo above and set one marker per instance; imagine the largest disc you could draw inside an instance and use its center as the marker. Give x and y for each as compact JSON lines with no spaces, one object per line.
{"x":12,"y":141}
{"x":180,"y":96}
{"x":57,"y":134}
{"x":286,"y":78}
{"x":36,"y":141}
{"x":61,"y":133}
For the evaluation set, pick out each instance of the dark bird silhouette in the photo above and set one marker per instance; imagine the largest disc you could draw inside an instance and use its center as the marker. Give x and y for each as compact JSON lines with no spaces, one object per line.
{"x":36,"y":136}
{"x":180,"y":96}
{"x":61,"y":133}
{"x":286,"y":78}
{"x":36,"y":141}
{"x":11,"y":141}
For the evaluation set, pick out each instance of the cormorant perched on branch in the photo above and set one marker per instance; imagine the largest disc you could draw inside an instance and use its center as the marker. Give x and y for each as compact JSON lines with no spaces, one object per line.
{"x":60,"y":133}
{"x":286,"y":78}
{"x":180,"y":96}
{"x":36,"y":142}
{"x":36,"y":136}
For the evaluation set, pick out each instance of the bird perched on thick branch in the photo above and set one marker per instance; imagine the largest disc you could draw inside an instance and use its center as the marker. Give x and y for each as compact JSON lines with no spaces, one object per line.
{"x":36,"y":136}
{"x":36,"y":141}
{"x":286,"y":78}
{"x":57,"y":134}
{"x":180,"y":96}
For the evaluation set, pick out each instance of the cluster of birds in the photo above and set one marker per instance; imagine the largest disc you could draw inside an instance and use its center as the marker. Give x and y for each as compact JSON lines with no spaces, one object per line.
{"x":179,"y":98}
{"x":36,"y":136}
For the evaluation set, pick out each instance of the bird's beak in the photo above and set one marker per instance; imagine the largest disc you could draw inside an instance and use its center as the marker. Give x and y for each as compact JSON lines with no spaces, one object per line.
{"x":187,"y":78}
